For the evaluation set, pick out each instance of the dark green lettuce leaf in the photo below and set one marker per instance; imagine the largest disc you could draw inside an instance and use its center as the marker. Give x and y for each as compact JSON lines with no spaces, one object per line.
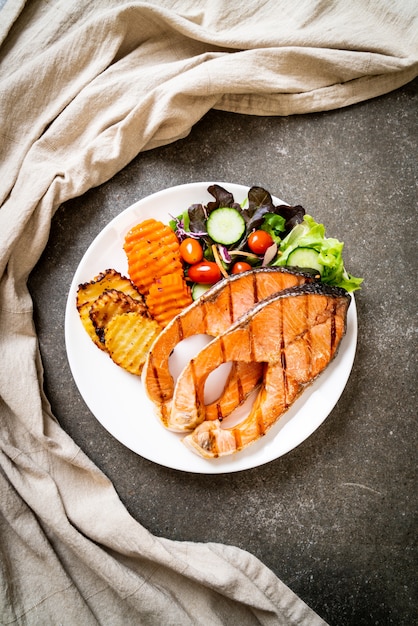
{"x":260,"y":203}
{"x":223,"y":198}
{"x":292,"y":214}
{"x":259,"y":197}
{"x":197,"y":218}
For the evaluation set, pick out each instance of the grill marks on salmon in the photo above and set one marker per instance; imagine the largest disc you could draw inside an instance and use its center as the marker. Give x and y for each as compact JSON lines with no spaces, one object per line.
{"x":212,"y":314}
{"x":295,"y":333}
{"x":242,"y":380}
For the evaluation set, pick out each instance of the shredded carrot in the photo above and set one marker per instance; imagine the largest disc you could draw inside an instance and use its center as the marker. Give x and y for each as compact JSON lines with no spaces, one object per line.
{"x":152,"y":250}
{"x":167,"y":297}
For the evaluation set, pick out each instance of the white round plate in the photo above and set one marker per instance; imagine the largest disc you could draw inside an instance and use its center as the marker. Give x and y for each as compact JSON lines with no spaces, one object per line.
{"x":117,"y":399}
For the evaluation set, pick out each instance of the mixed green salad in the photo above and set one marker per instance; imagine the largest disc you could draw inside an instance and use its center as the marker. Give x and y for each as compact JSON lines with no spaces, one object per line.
{"x":224,"y":237}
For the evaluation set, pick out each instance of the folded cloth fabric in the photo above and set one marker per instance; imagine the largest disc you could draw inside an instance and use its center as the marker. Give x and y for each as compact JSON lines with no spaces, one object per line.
{"x":86,"y":86}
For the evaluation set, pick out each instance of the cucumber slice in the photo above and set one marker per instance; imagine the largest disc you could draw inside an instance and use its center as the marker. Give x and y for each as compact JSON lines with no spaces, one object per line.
{"x":198,"y":289}
{"x":305,"y":257}
{"x":225,"y":226}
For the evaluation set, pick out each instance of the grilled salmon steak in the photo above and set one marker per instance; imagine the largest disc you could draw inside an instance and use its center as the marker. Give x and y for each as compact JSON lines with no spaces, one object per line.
{"x":295,"y":333}
{"x":211,"y":315}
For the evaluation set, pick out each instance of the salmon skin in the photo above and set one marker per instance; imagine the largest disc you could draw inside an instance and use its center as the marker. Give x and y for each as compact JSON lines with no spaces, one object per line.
{"x":212,"y":314}
{"x":295,"y":333}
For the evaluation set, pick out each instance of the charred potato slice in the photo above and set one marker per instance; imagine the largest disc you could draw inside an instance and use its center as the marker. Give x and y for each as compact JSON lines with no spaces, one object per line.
{"x":109,"y":304}
{"x":128,"y":338}
{"x":88,"y":292}
{"x":84,"y":313}
{"x":109,"y":279}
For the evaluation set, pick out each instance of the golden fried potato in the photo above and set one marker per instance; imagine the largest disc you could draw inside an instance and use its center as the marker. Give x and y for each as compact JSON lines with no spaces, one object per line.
{"x":110,"y":303}
{"x":88,"y":292}
{"x":128,"y":338}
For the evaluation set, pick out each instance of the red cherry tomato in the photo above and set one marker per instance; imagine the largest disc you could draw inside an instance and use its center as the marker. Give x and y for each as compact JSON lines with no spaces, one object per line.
{"x":240,"y":266}
{"x":259,"y":241}
{"x":191,"y":251}
{"x":206,"y":272}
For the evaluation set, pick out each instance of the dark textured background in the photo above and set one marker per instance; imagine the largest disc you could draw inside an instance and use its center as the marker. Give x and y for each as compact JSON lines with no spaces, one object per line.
{"x":335,"y":518}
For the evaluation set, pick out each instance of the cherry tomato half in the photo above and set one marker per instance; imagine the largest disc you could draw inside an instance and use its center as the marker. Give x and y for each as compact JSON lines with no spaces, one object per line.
{"x":206,"y":272}
{"x":240,"y":266}
{"x":191,"y":251}
{"x":259,"y":241}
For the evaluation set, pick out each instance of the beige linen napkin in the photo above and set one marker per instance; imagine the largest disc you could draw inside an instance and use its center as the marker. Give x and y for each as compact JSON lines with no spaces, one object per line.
{"x":84,"y":87}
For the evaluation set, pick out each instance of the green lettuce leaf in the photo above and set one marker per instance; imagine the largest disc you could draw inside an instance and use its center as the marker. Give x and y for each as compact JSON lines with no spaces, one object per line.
{"x":310,"y":234}
{"x":275,"y":225}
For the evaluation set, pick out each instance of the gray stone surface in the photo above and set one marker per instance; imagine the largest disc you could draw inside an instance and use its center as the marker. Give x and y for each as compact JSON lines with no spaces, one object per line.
{"x":335,"y":518}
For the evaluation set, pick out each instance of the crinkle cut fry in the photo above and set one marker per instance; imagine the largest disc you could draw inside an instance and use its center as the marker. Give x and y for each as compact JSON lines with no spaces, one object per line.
{"x":152,"y":251}
{"x":89,"y":292}
{"x":128,"y":337}
{"x":167,"y":297}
